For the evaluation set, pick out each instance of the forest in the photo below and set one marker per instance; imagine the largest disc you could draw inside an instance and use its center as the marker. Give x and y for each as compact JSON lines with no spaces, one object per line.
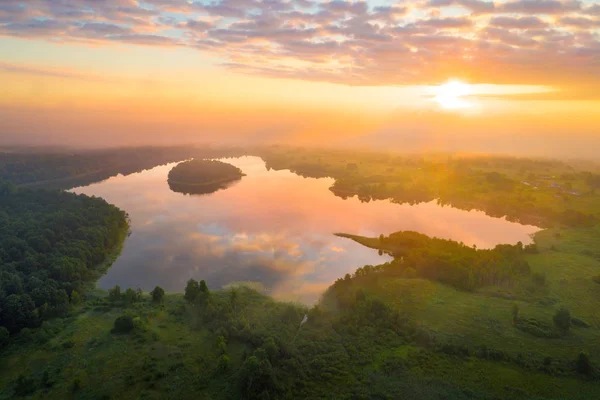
{"x":544,"y":193}
{"x":66,"y":169}
{"x":202,"y":176}
{"x":51,"y":243}
{"x":448,"y":261}
{"x":440,"y":320}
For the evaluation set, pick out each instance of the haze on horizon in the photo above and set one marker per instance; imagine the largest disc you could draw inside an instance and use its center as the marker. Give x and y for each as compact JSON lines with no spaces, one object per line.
{"x":517,"y":76}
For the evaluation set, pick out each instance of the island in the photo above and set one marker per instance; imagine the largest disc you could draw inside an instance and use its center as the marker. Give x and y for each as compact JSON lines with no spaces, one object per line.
{"x":202,"y":176}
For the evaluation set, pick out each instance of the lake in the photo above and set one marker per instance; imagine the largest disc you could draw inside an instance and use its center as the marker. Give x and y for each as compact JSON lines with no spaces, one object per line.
{"x":272,"y":228}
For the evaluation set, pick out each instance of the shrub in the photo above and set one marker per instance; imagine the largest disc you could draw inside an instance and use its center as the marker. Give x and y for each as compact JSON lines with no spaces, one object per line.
{"x":4,"y":336}
{"x":539,"y":279}
{"x":223,"y":363}
{"x":114,"y":294}
{"x":76,"y":385}
{"x":583,"y":364}
{"x":24,"y":385}
{"x":46,"y":382}
{"x":123,"y":324}
{"x":562,"y":320}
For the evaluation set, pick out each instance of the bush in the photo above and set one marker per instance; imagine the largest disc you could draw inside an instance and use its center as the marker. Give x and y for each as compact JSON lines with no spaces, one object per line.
{"x":123,"y":324}
{"x":535,"y":328}
{"x":562,"y":320}
{"x":223,"y":363}
{"x":4,"y":336}
{"x":583,"y":364}
{"x":76,"y":386}
{"x":24,"y":385}
{"x":539,"y":279}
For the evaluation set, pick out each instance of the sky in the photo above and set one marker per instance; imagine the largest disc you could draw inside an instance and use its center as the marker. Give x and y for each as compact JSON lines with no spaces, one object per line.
{"x":516,"y":76}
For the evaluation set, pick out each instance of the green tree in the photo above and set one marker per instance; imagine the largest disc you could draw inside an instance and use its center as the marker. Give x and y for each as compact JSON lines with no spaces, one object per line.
{"x":192,"y":289}
{"x":76,"y":298}
{"x":233,"y":297}
{"x":222,"y":344}
{"x":562,"y":320}
{"x":223,"y":363}
{"x":4,"y":336}
{"x":157,"y":294}
{"x":114,"y":294}
{"x":272,"y":349}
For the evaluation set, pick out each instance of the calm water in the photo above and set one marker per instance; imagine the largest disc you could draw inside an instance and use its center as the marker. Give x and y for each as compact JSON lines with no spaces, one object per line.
{"x":273,"y":227}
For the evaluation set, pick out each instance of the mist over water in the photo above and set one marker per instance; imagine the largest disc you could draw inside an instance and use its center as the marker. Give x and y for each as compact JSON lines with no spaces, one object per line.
{"x":272,"y":227}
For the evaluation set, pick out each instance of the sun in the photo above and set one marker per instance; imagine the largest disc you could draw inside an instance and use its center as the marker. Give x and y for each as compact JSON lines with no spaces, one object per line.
{"x":449,"y":95}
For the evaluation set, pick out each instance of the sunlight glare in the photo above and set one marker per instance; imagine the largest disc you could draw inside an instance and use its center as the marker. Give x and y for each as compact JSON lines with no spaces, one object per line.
{"x":449,"y":95}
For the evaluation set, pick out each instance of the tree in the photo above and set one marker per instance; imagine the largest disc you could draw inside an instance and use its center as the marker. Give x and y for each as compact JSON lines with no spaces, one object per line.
{"x":192,"y":289}
{"x":272,"y":349}
{"x":114,"y":294}
{"x":157,"y":294}
{"x":223,"y":363}
{"x":562,"y":320}
{"x":76,"y":298}
{"x":132,"y":296}
{"x":233,"y":297}
{"x":4,"y":336}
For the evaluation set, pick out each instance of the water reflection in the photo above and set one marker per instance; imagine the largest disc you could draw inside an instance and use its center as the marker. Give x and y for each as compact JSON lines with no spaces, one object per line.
{"x":199,"y":189}
{"x":272,"y":227}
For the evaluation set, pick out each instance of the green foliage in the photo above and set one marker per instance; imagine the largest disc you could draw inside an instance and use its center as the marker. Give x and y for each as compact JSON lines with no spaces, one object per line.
{"x":126,"y":298}
{"x":114,"y":294}
{"x":192,"y":290}
{"x":562,"y":320}
{"x":4,"y":336}
{"x":196,"y":292}
{"x":202,"y":176}
{"x":583,"y":364}
{"x":224,"y":363}
{"x":535,"y":327}
{"x":446,"y":261}
{"x":76,"y":385}
{"x":50,"y":244}
{"x":46,"y":381}
{"x":24,"y":385}
{"x":123,"y":324}
{"x":157,"y":294}
{"x":76,"y":298}
{"x":539,"y":279}
{"x":65,"y":170}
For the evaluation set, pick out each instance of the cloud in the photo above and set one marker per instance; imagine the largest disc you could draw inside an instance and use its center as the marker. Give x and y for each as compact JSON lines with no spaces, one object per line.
{"x":548,"y":42}
{"x":551,"y":7}
{"x":476,"y":6}
{"x":518,"y":23}
{"x":580,"y":22}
